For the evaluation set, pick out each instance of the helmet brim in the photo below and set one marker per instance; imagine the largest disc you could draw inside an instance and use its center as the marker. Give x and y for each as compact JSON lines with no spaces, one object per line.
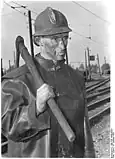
{"x":53,"y":31}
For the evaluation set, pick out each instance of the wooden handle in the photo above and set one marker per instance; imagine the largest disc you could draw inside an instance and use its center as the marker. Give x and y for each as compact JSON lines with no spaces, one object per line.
{"x":38,"y":81}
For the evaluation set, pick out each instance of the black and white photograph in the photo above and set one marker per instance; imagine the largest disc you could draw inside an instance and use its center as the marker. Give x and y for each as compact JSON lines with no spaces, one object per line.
{"x":56,"y":80}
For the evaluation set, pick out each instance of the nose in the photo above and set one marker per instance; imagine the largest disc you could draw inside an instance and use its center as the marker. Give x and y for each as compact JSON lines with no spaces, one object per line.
{"x":62,"y":44}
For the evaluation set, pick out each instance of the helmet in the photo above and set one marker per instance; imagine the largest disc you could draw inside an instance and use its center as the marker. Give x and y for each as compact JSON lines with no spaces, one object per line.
{"x":50,"y":22}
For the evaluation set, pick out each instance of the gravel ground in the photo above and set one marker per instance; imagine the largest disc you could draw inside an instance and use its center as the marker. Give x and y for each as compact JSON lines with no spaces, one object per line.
{"x":101,"y":137}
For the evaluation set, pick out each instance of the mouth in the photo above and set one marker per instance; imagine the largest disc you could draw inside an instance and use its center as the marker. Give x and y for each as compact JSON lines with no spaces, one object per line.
{"x":62,"y":53}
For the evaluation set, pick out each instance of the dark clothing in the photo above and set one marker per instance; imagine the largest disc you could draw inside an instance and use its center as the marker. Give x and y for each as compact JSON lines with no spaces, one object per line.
{"x":25,"y":128}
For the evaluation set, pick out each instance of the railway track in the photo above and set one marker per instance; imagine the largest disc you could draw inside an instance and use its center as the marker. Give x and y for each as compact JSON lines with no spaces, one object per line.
{"x":89,"y":85}
{"x":94,"y":83}
{"x":99,"y":92}
{"x":98,"y":103}
{"x":92,"y":88}
{"x":103,"y":89}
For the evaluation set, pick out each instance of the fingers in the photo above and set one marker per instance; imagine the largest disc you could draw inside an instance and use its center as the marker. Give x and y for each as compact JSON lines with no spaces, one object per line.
{"x":44,"y":93}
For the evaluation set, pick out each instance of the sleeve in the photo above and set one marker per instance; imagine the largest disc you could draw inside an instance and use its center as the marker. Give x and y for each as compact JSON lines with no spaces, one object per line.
{"x":89,"y":146}
{"x":15,"y":102}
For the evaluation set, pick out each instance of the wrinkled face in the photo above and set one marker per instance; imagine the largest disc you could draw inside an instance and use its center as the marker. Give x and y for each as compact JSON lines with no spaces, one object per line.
{"x":54,"y":46}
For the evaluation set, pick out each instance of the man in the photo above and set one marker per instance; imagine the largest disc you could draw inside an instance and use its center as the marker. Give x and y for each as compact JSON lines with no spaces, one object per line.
{"x":26,"y":117}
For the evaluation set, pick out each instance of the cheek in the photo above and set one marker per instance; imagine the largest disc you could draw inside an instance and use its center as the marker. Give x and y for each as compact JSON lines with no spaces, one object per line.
{"x":57,"y":49}
{"x":52,"y":45}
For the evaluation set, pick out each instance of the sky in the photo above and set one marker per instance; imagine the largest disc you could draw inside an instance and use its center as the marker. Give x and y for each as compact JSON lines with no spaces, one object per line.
{"x":82,"y":23}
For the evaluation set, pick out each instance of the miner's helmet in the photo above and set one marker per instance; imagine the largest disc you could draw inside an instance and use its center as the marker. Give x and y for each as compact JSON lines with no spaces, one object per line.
{"x":50,"y":22}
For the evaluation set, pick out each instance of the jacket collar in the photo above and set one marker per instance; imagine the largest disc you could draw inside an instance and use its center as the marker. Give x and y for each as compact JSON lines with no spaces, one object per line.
{"x":47,"y":64}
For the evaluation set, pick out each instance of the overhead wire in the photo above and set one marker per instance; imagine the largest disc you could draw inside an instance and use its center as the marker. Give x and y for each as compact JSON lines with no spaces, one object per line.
{"x":95,"y":16}
{"x":25,"y":7}
{"x":91,"y":12}
{"x":99,"y":43}
{"x":89,"y":38}
{"x":13,"y":7}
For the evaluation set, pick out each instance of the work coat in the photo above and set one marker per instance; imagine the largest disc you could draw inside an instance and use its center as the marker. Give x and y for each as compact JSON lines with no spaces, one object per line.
{"x":26,"y":128}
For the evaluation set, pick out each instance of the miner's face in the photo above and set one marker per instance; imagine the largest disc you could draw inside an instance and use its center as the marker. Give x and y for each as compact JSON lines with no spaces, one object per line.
{"x":55,"y":46}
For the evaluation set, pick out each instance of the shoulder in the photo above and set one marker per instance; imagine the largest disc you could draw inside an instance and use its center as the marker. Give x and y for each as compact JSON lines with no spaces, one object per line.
{"x":76,"y":72}
{"x":16,"y":73}
{"x":77,"y":76}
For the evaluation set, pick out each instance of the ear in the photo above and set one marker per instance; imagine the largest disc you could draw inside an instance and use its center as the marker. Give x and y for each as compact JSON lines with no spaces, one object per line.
{"x":36,"y":40}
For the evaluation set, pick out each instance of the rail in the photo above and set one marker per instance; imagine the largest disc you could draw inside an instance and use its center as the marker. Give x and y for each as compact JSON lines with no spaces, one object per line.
{"x":97,"y":86}
{"x":98,"y":103}
{"x":100,"y":93}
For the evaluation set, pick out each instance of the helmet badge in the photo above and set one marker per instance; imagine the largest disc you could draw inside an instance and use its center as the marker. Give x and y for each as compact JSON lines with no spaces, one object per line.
{"x":51,"y":15}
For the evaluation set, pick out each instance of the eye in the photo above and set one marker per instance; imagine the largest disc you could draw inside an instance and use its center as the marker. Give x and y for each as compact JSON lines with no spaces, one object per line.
{"x":55,"y":38}
{"x":65,"y":37}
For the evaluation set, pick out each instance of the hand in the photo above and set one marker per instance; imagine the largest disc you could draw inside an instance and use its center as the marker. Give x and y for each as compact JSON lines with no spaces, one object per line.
{"x":44,"y":93}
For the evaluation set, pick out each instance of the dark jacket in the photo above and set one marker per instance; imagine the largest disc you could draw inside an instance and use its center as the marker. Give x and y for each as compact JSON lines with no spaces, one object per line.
{"x":25,"y":128}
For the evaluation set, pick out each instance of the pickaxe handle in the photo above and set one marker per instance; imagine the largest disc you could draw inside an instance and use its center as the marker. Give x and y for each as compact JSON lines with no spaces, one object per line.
{"x":38,"y":81}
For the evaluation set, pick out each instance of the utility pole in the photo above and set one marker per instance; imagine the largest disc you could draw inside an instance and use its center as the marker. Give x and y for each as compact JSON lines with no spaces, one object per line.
{"x":98,"y":64}
{"x":89,"y":66}
{"x":14,"y":59}
{"x":47,"y":137}
{"x":89,"y":31}
{"x":2,"y":73}
{"x":9,"y":66}
{"x":30,"y":33}
{"x":86,"y":64}
{"x":105,"y":59}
